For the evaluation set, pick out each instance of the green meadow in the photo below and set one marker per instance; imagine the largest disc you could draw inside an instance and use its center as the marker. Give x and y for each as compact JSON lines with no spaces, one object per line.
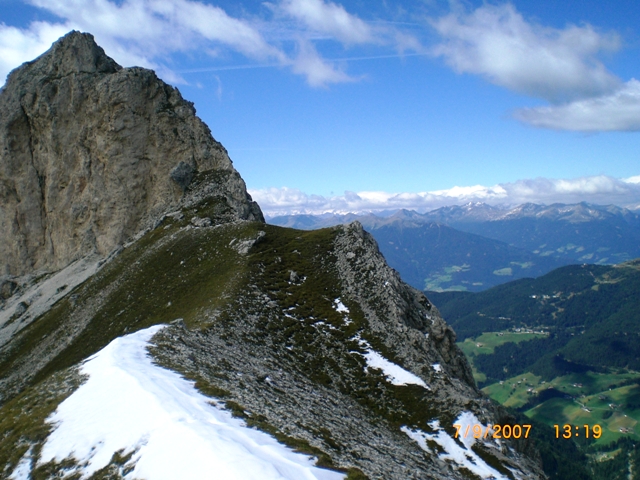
{"x":487,"y":342}
{"x":609,"y":399}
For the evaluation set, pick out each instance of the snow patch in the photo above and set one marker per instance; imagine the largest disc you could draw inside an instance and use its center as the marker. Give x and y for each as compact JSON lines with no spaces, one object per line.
{"x":453,"y":452}
{"x":321,"y":323}
{"x":437,"y":367}
{"x":467,"y":420}
{"x":340,"y":307}
{"x":128,"y":403}
{"x":23,"y":469}
{"x":394,"y":373}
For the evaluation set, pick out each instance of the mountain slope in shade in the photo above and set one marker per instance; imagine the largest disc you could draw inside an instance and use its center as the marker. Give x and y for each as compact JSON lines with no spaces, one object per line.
{"x":308,"y":337}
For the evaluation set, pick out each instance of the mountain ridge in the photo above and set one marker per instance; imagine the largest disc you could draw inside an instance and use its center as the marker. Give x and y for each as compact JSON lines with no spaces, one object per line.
{"x":469,"y":212}
{"x":525,"y":241}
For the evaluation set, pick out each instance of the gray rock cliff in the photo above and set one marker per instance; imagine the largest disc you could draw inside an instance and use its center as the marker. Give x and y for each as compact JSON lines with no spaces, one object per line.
{"x":92,"y":153}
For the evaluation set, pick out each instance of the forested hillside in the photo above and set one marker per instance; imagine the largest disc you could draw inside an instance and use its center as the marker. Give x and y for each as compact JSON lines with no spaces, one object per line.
{"x":562,"y":350}
{"x":589,"y":314}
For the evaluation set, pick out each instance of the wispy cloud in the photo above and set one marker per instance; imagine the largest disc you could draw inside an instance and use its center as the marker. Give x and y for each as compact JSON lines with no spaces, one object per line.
{"x":555,"y":64}
{"x":149,"y":32}
{"x":320,"y":19}
{"x":319,"y":72}
{"x":617,"y":111}
{"x":330,"y":19}
{"x":145,"y":32}
{"x":600,"y":189}
{"x":559,"y":65}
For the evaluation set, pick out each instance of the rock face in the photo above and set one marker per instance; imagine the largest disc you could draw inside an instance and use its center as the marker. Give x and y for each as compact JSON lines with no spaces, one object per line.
{"x":92,"y":153}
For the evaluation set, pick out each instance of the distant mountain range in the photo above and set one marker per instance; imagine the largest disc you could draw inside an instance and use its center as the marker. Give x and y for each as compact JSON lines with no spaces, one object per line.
{"x":579,"y":233}
{"x":476,"y":246}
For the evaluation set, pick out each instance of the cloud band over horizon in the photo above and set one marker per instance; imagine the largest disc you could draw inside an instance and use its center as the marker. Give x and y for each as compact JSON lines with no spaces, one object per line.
{"x":600,"y":189}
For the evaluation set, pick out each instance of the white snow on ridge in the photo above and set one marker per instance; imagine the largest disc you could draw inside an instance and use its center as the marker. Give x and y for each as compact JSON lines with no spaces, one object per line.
{"x":453,"y":452}
{"x":467,"y":421}
{"x":174,"y":431}
{"x":23,"y":469}
{"x":340,"y":307}
{"x":395,"y":373}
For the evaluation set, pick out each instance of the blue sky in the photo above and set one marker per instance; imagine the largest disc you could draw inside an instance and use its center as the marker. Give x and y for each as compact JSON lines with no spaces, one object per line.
{"x":365,"y":105}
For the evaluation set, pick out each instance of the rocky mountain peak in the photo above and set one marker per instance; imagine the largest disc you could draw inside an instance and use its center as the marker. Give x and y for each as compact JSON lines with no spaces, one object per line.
{"x":76,"y":52}
{"x":91,"y":154}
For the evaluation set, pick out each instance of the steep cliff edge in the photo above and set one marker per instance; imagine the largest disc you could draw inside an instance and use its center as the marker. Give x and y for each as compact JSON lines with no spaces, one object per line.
{"x":92,"y":153}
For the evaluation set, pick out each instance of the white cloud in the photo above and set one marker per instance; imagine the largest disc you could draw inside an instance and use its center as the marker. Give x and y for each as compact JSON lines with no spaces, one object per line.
{"x":618,"y":111}
{"x":147,"y":32}
{"x":329,"y":18}
{"x":559,"y":65}
{"x":318,"y":71}
{"x":18,"y":46}
{"x":157,"y":27}
{"x":635,"y":179}
{"x":213,"y":23}
{"x":600,"y":189}
{"x":499,"y":44}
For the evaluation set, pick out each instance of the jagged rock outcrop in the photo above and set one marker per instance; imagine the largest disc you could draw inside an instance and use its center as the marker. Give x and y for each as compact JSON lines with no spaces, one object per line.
{"x":402,"y":315}
{"x":92,"y":153}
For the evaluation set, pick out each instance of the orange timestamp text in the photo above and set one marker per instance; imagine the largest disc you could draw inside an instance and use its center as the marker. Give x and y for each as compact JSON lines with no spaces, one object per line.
{"x":571,"y":431}
{"x":492,"y":431}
